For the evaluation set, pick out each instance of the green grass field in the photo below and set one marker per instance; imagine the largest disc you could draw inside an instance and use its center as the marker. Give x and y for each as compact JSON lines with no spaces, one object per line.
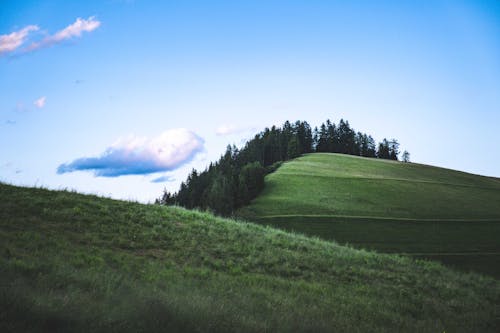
{"x":388,"y":206}
{"x":71,"y":262}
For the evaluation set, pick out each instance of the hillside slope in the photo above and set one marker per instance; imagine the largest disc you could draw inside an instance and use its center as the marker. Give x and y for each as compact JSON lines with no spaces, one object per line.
{"x":84,"y":263}
{"x":389,"y":206}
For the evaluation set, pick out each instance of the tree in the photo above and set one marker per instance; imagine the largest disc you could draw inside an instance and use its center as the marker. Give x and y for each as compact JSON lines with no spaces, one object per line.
{"x":359,"y":144}
{"x":220,"y":197}
{"x":346,"y":137}
{"x":332,"y":139}
{"x":251,"y":181}
{"x":166,"y":199}
{"x":322,"y":145}
{"x":406,"y":156}
{"x":293,"y":150}
{"x":393,"y":149}
{"x":315,"y":139}
{"x":383,"y":150}
{"x":308,"y":144}
{"x":372,"y":148}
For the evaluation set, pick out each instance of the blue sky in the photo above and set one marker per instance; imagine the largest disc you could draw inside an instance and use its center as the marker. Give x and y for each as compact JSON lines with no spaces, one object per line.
{"x":124,"y":98}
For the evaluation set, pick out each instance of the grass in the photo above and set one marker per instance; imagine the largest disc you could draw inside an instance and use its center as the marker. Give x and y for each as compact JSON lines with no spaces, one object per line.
{"x":71,"y":262}
{"x":388,"y":206}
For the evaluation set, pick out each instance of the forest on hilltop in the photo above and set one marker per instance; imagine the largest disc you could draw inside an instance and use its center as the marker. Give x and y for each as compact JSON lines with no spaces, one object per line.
{"x":238,"y":176}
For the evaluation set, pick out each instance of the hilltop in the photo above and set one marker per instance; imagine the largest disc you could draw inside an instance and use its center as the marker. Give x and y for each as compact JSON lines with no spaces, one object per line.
{"x":389,"y":206}
{"x":84,"y":263}
{"x":238,"y":176}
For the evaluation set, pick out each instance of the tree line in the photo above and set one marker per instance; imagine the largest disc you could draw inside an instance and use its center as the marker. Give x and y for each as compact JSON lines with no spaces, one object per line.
{"x":238,"y":176}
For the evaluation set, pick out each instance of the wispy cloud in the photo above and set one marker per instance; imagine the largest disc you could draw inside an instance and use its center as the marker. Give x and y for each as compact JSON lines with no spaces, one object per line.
{"x":162,"y":179}
{"x":40,"y":103}
{"x":73,"y":30}
{"x":140,"y":156}
{"x":12,"y":41}
{"x":228,"y":129}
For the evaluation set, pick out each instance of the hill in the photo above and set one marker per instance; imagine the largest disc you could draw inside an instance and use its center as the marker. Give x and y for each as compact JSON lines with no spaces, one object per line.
{"x":388,"y":206}
{"x":238,"y":176}
{"x":74,"y":262}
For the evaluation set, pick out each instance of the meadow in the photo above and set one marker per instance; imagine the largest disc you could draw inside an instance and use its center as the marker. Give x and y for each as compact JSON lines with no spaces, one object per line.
{"x":72,"y":262}
{"x":388,"y":206}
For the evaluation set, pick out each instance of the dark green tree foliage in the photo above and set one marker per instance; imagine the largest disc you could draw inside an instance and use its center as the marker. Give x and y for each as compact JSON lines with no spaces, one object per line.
{"x":238,"y":176}
{"x":323,"y":143}
{"x":294,"y":148}
{"x":219,"y":195}
{"x":388,"y":149}
{"x":251,"y":182}
{"x":383,"y":150}
{"x":393,"y":149}
{"x":341,"y":138}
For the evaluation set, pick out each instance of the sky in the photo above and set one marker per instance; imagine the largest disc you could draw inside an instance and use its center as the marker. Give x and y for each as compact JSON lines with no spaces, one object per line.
{"x":124,"y":98}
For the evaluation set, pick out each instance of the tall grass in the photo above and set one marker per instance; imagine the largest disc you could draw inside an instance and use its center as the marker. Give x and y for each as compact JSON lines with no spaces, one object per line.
{"x":70,"y":262}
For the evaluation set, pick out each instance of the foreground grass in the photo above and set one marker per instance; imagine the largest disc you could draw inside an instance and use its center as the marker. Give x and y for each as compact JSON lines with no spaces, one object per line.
{"x":83,"y":263}
{"x":387,"y":206}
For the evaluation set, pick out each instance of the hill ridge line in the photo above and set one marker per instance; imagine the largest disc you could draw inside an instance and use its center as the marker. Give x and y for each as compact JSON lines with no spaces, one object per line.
{"x":387,"y":178}
{"x":447,"y":253}
{"x":379,"y":218}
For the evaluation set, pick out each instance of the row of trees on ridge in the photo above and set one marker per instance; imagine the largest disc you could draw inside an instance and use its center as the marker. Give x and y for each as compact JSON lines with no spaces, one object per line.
{"x":238,"y":176}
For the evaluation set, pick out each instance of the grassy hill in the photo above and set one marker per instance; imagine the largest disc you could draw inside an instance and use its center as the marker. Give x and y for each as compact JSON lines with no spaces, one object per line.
{"x":388,"y":206}
{"x":73,"y":262}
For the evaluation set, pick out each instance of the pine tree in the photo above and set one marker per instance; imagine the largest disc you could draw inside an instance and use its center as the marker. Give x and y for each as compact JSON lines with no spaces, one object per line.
{"x":322,"y":145}
{"x":293,"y":147}
{"x":393,"y":149}
{"x":383,"y":149}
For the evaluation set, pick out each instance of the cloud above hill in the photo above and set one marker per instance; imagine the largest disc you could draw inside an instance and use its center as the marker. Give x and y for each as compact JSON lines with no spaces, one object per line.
{"x":73,"y":30}
{"x":9,"y":43}
{"x":140,"y":156}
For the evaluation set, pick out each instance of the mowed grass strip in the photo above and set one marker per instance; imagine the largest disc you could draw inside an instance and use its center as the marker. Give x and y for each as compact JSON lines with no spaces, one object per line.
{"x":70,"y":262}
{"x":386,"y":206}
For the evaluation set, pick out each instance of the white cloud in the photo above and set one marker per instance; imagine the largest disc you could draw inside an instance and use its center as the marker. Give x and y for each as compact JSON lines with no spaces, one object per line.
{"x":76,"y":29}
{"x":40,"y":103}
{"x":140,"y":155}
{"x":73,"y":30}
{"x":12,"y":41}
